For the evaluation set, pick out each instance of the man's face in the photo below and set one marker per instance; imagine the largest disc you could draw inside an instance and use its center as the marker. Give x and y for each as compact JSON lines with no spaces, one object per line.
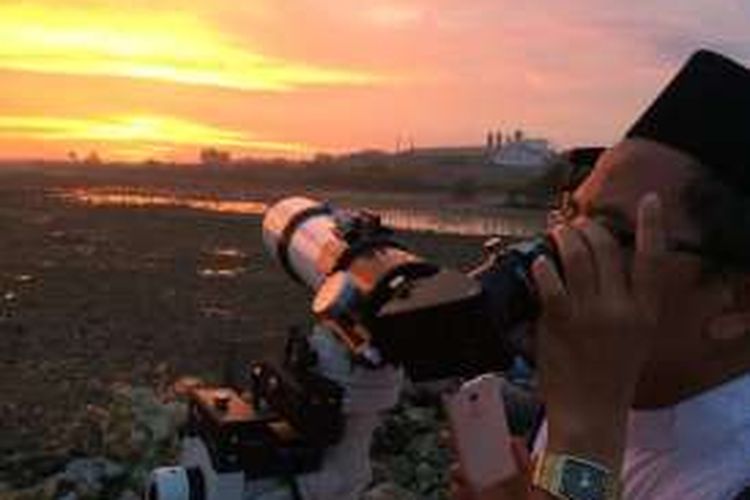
{"x":622,"y":176}
{"x":630,"y":170}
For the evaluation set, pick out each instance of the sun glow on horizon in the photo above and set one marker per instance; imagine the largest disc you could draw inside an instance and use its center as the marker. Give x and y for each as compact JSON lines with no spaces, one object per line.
{"x":155,"y":45}
{"x":134,"y":137}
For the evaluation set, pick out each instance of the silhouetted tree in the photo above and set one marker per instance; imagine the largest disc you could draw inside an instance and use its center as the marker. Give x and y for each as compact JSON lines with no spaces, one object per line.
{"x":212,"y":157}
{"x":93,"y":159}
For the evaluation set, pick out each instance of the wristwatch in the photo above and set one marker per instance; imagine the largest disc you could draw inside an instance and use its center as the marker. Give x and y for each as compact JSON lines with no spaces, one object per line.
{"x":573,"y":478}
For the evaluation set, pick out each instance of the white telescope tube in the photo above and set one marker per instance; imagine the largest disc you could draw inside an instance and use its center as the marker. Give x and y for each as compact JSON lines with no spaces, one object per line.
{"x":300,"y":233}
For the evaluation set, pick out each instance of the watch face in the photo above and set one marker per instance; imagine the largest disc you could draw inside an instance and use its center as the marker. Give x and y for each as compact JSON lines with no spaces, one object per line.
{"x":583,"y":481}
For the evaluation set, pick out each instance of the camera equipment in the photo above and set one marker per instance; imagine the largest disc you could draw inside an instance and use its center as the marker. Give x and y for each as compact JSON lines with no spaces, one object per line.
{"x":389,"y":305}
{"x":291,"y":414}
{"x":302,"y":429}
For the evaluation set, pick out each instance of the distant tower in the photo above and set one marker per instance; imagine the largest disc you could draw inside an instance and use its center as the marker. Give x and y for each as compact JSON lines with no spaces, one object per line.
{"x":490,"y":141}
{"x":498,"y":139}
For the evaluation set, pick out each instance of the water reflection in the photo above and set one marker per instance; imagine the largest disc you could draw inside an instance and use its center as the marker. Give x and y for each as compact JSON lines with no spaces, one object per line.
{"x":144,"y":199}
{"x":223,"y":262}
{"x":228,"y":252}
{"x":220,"y":273}
{"x":444,"y":219}
{"x":460,"y":222}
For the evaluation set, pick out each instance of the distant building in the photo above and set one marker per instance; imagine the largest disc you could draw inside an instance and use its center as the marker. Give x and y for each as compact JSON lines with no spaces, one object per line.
{"x":512,"y":151}
{"x":524,"y":154}
{"x":448,"y":155}
{"x":498,"y":138}
{"x":366,"y":158}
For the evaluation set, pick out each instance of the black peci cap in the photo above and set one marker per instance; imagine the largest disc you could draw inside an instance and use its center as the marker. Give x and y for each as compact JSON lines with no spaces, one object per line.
{"x":705,"y":112}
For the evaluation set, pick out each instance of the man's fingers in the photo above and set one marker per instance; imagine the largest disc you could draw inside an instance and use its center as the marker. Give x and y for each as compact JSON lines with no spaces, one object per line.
{"x":521,"y":455}
{"x":650,"y":253}
{"x":578,"y":265}
{"x":607,"y":257}
{"x":554,"y":298}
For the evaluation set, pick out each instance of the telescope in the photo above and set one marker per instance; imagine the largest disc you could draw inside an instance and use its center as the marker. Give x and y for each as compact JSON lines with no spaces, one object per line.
{"x":388,"y":305}
{"x":380,"y":311}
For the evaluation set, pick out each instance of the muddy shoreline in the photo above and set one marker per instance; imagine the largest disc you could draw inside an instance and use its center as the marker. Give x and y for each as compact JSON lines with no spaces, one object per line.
{"x":91,"y":297}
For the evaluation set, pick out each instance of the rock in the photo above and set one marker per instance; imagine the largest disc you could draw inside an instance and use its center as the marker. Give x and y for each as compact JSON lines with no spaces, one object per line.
{"x":88,"y":475}
{"x":424,"y":447}
{"x":22,"y":469}
{"x":430,"y":390}
{"x":407,"y":449}
{"x":129,"y":495}
{"x":157,"y":417}
{"x":97,"y":467}
{"x":380,"y":471}
{"x":389,"y":491}
{"x":45,"y":489}
{"x":401,"y":469}
{"x":425,"y":475}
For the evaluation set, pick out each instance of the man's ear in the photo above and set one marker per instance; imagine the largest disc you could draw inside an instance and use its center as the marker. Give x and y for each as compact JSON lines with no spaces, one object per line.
{"x":733,"y":323}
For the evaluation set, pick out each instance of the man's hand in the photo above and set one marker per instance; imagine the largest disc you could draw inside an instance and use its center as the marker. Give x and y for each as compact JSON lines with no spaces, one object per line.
{"x":596,"y":331}
{"x":594,"y":335}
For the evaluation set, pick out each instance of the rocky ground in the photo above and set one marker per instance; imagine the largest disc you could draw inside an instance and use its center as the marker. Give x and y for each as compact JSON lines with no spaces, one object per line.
{"x":137,"y":431}
{"x":100,"y":307}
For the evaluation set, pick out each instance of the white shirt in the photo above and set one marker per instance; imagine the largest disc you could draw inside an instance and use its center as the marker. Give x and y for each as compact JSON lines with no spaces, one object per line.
{"x":698,"y":449}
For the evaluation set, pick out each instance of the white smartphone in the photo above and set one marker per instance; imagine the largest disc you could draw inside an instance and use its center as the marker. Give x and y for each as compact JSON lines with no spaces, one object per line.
{"x":480,"y":431}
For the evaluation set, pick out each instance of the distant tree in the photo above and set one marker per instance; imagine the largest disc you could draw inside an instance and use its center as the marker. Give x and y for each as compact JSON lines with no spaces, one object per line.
{"x":323,"y":159}
{"x":72,"y":157}
{"x":212,"y":157}
{"x":93,"y":159}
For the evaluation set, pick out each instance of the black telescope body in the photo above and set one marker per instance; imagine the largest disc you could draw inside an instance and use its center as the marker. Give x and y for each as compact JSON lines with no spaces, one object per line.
{"x":390,"y":305}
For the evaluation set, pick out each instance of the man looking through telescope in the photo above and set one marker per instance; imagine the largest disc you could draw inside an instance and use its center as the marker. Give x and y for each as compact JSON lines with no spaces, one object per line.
{"x":644,"y":338}
{"x":638,"y":295}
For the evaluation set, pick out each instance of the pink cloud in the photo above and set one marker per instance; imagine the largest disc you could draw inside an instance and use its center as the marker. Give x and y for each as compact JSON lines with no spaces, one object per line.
{"x":576,"y":71}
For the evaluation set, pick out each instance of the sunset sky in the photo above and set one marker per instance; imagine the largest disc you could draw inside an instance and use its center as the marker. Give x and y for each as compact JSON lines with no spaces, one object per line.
{"x":162,"y":78}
